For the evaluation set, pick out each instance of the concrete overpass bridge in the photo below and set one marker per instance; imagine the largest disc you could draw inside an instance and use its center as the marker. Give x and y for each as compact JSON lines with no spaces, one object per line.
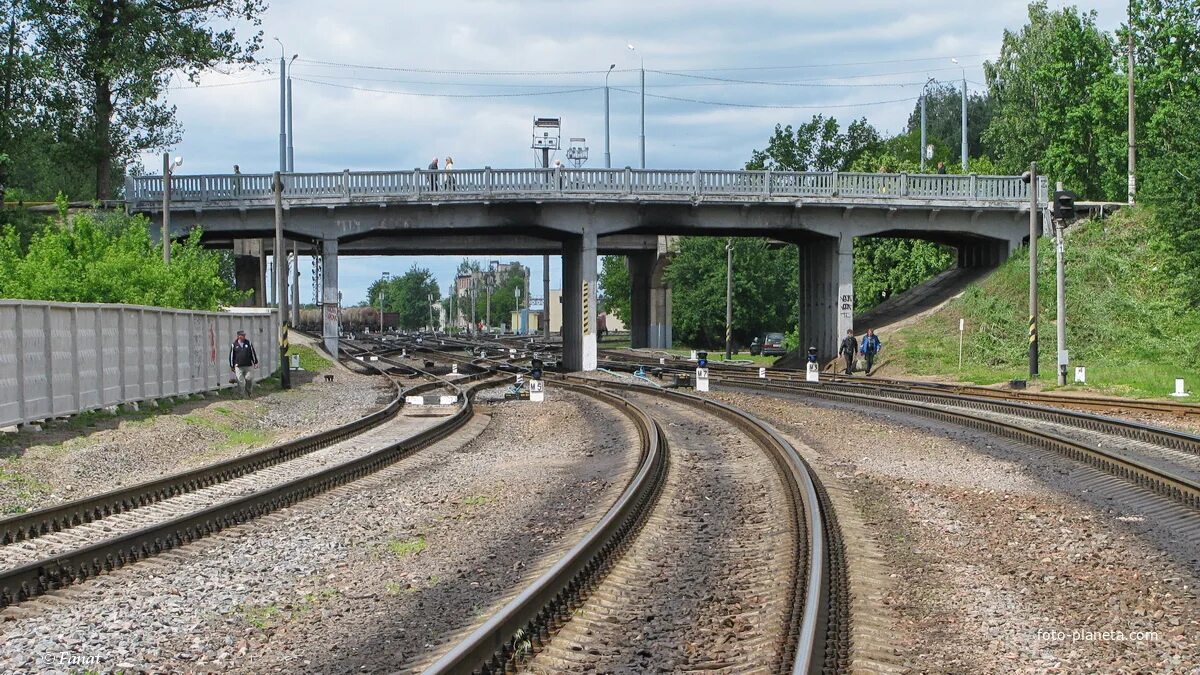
{"x":579,"y":213}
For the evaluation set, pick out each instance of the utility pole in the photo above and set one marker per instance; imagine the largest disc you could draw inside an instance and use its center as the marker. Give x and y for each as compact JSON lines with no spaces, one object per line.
{"x":291,"y":139}
{"x":382,"y":292}
{"x":1033,"y":237}
{"x":1060,"y":296}
{"x":283,"y":166}
{"x":729,"y":299}
{"x":166,"y":219}
{"x":285,"y":378}
{"x":1132,"y":113}
{"x":964,"y":122}
{"x":924,"y":97}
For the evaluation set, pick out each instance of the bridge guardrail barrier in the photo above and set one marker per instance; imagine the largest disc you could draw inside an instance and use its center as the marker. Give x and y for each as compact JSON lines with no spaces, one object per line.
{"x":61,"y":358}
{"x":231,"y":190}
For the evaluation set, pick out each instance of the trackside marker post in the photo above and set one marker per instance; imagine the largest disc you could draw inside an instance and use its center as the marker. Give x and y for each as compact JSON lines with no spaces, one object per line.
{"x":537,"y":393}
{"x":701,"y":371}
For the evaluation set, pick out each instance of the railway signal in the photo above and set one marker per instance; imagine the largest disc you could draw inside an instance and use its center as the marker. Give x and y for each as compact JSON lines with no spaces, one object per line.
{"x":701,"y":371}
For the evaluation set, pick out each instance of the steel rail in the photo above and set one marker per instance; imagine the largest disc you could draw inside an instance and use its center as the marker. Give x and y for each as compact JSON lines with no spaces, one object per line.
{"x":1160,"y":480}
{"x":22,"y":583}
{"x":89,"y":509}
{"x":1169,"y":438}
{"x":820,"y":623}
{"x":525,"y":623}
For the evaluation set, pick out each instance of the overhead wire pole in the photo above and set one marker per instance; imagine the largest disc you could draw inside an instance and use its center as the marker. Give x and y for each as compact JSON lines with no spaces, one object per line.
{"x":1033,"y":299}
{"x":607,"y":154}
{"x":964,"y":116}
{"x":1132,"y":112}
{"x":642,"y":137}
{"x":1060,"y":295}
{"x":285,"y":378}
{"x":924,"y":96}
{"x":729,"y":299}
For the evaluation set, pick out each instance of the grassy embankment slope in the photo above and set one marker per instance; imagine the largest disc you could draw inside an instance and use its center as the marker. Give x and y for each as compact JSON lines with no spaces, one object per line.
{"x":1124,"y":322}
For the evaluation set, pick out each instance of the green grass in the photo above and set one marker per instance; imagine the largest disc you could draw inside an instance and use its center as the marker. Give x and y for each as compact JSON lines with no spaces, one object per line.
{"x":403,"y":549}
{"x":26,"y":490}
{"x":1124,"y":321}
{"x":233,"y":436}
{"x":310,"y":359}
{"x":261,"y":617}
{"x":476,"y":500}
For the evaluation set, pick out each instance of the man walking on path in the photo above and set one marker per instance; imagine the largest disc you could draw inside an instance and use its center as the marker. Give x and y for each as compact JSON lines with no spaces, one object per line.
{"x":241,"y":359}
{"x":870,"y":347}
{"x":848,"y":349}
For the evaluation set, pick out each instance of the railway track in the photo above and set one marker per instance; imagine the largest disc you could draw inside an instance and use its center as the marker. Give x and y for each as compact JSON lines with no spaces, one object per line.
{"x":1164,"y":460}
{"x":57,"y":546}
{"x":781,"y":556}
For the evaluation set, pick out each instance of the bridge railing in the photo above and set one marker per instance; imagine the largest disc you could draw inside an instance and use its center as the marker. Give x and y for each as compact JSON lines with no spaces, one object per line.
{"x":348,"y":186}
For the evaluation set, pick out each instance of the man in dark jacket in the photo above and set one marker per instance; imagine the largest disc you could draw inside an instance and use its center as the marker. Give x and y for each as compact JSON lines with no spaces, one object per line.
{"x":848,"y":349}
{"x":241,"y":359}
{"x":870,"y":347}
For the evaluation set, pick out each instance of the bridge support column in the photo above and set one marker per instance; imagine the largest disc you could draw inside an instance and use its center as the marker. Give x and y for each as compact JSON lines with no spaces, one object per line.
{"x":579,"y":302}
{"x":246,"y":271}
{"x":641,"y":274}
{"x":660,"y":305}
{"x":826,"y":293}
{"x":331,"y":299}
{"x":983,"y":253}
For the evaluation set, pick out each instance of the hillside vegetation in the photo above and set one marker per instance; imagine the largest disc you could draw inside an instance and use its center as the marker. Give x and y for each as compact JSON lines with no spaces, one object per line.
{"x":1126,"y":320}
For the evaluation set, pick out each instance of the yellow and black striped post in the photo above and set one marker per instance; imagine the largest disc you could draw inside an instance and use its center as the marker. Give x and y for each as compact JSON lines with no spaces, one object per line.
{"x":285,"y":376}
{"x":1033,"y":347}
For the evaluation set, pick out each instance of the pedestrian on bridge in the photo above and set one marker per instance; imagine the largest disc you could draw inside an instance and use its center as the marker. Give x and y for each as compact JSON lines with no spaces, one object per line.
{"x":869,"y":348}
{"x":848,"y":349}
{"x":241,"y":359}
{"x":449,"y":175}
{"x":433,"y":177}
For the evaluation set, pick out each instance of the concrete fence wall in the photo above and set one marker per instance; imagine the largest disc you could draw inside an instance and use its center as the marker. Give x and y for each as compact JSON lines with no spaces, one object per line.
{"x":63,"y":358}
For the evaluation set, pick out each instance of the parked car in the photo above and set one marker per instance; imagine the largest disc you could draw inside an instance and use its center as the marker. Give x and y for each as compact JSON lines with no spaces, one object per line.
{"x":770,"y":345}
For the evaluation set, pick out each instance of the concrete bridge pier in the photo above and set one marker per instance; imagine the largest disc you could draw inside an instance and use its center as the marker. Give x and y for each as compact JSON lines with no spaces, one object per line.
{"x":247,"y":273}
{"x":984,"y":253}
{"x":641,"y":271}
{"x":330,"y":321}
{"x":826,"y":289}
{"x":579,"y":301}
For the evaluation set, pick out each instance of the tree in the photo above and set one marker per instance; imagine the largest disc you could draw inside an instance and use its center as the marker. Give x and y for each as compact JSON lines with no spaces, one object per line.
{"x":615,"y":287}
{"x":765,"y":284}
{"x":111,"y":258}
{"x":113,"y":59}
{"x":943,"y":124}
{"x":1059,"y":101}
{"x":816,"y":145}
{"x":407,"y":295}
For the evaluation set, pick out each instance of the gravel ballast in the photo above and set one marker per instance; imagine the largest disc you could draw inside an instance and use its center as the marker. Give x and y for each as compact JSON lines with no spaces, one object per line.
{"x":1003,"y":558}
{"x":362,"y":579}
{"x":70,"y":460}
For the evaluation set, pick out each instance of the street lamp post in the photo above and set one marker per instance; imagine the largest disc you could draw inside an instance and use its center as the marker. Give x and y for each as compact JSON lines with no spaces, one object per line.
{"x":291,"y":138}
{"x":382,"y":291}
{"x":607,"y":154}
{"x":168,"y":169}
{"x":964,"y":115}
{"x":924,"y":96}
{"x":517,"y":297}
{"x":642,"y":137}
{"x":431,"y":326}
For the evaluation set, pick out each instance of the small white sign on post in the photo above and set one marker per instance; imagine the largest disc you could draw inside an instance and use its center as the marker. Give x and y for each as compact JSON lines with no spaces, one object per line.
{"x":962,"y":324}
{"x":537,"y":392}
{"x":453,"y":368}
{"x":762,"y":373}
{"x":702,"y":379}
{"x":693,"y":356}
{"x":1180,"y":391}
{"x":520,"y":380}
{"x":812,"y":373}
{"x":662,"y":360}
{"x":1081,"y":374}
{"x":512,"y":352}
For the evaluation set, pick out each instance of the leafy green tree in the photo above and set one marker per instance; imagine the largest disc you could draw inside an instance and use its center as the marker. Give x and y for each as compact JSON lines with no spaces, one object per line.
{"x":408,"y":295}
{"x":1059,"y":101}
{"x":943,"y":124}
{"x":616,"y":287}
{"x":816,"y":145}
{"x":765,"y":283}
{"x":884,"y":267}
{"x":113,"y":59}
{"x":111,"y":258}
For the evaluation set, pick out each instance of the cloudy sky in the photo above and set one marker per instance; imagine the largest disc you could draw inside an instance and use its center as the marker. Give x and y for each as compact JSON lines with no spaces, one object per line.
{"x":389,"y":85}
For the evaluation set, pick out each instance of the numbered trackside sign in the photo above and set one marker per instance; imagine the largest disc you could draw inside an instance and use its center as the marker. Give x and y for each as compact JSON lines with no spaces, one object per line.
{"x":536,"y":392}
{"x":702,"y":379}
